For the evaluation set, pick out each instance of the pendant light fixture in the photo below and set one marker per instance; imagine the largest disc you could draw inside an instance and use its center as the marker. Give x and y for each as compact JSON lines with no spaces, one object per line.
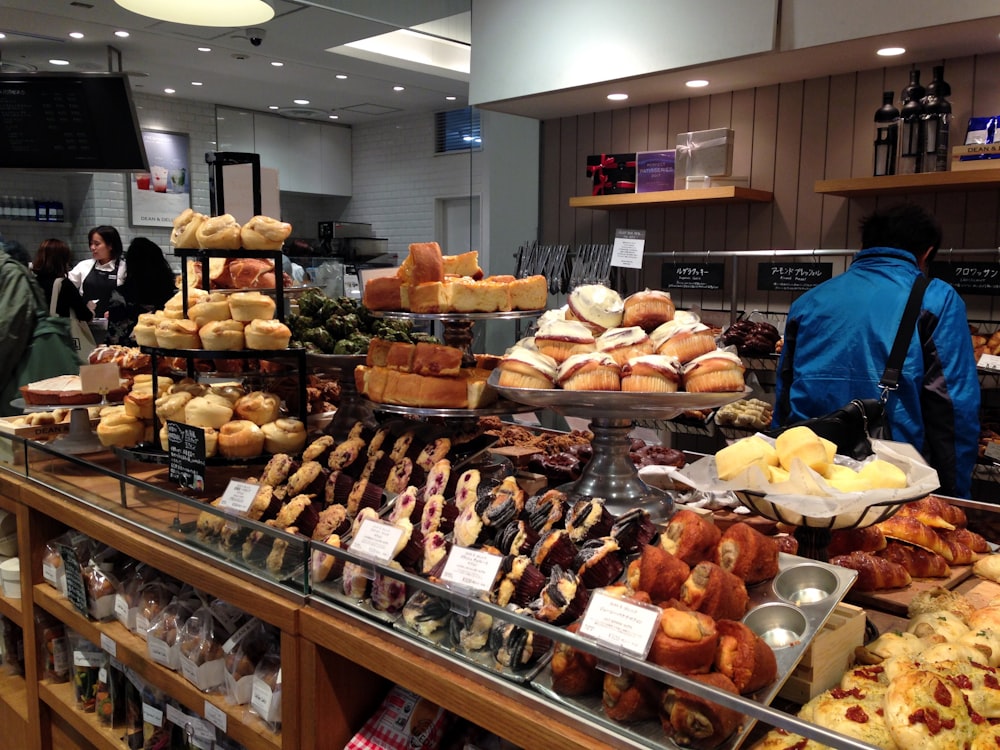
{"x":224,"y":13}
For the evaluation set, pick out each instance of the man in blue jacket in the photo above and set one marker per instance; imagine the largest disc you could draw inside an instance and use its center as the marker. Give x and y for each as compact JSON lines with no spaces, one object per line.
{"x":838,"y":337}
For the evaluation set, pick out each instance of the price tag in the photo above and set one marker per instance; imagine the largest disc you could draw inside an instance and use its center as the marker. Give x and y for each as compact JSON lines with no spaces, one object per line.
{"x":203,"y":730}
{"x":265,"y":701}
{"x":989,"y":362}
{"x":969,"y":277}
{"x":692,"y":275}
{"x":176,"y":716}
{"x":76,"y":591}
{"x":159,"y":651}
{"x":376,"y":539}
{"x":121,"y":609}
{"x":99,"y":378}
{"x":628,"y":248}
{"x":216,"y":716}
{"x":239,"y":635}
{"x":141,"y":625}
{"x":88,"y":659}
{"x":50,"y":575}
{"x":471,"y":569}
{"x":108,"y":644}
{"x":152,"y":715}
{"x":792,"y":277}
{"x":190,"y":670}
{"x":621,"y":624}
{"x":239,"y":496}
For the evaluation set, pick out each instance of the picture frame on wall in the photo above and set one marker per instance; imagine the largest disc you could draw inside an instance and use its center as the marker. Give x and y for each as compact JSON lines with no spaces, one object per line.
{"x":156,"y":197}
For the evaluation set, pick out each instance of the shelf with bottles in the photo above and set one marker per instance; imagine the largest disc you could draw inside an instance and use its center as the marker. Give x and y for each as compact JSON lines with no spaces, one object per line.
{"x":20,"y":209}
{"x":695,"y":196}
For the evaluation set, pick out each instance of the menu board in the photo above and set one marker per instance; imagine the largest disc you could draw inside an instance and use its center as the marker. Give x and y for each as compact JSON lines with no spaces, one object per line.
{"x":187,"y":455}
{"x":692,"y":275}
{"x":792,"y":277}
{"x":69,"y":121}
{"x":969,"y":278}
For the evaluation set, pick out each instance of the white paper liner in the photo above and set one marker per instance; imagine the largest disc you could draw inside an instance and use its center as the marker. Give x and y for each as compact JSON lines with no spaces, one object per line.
{"x":807,"y":495}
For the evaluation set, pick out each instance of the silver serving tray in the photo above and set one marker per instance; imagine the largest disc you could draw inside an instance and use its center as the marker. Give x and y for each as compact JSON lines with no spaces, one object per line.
{"x":495,"y":409}
{"x":456,"y":317}
{"x":814,"y":615}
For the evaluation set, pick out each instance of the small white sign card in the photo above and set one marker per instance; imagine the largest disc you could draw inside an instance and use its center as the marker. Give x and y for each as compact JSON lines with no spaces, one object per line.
{"x":376,"y":540}
{"x":239,"y":496}
{"x":989,"y":362}
{"x":99,"y":378}
{"x":471,"y":569}
{"x":628,"y":248}
{"x":621,"y":624}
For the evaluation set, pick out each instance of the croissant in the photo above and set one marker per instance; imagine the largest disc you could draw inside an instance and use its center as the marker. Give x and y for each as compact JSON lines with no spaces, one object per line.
{"x":690,"y":536}
{"x":747,"y":553}
{"x":909,"y":529}
{"x":874,"y":573}
{"x":715,"y":592}
{"x":970,"y":539}
{"x":934,"y":512}
{"x":918,"y":562}
{"x":961,"y":554}
{"x":868,"y":539}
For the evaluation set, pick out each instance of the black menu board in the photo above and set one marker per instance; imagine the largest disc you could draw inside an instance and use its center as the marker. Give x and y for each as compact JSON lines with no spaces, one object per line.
{"x":792,"y":277}
{"x":186,"y":464}
{"x":692,"y":275}
{"x":970,"y":277}
{"x":69,"y":121}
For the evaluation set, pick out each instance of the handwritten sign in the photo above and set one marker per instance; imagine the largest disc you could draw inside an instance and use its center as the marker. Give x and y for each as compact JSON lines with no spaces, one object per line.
{"x":792,"y":277}
{"x":628,"y":248}
{"x":187,"y":455}
{"x":76,"y":590}
{"x":969,"y":278}
{"x":692,"y":275}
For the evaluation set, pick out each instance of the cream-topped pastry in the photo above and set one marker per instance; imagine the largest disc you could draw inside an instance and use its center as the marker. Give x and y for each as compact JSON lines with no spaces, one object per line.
{"x":524,"y":368}
{"x":624,"y":343}
{"x":597,"y":306}
{"x":684,"y":337}
{"x":716,"y":371}
{"x":558,"y":313}
{"x":562,"y":338}
{"x":652,"y":373}
{"x":589,"y":371}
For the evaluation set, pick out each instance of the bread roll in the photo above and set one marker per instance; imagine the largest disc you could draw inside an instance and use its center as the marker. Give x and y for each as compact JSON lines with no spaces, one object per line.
{"x":177,"y":334}
{"x":213,"y":307}
{"x":264,"y":233}
{"x":240,"y":438}
{"x":139,"y":404}
{"x":247,"y":306}
{"x":185,"y":231}
{"x":144,"y":330}
{"x":284,"y":436}
{"x":174,"y":307}
{"x":219,"y":233}
{"x":267,"y":335}
{"x":120,"y":430}
{"x":207,"y":411}
{"x":222,"y":335}
{"x":258,"y":407}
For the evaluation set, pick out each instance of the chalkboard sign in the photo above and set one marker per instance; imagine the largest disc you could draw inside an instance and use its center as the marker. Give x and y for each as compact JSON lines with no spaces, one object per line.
{"x":969,"y":278}
{"x":692,"y":275}
{"x":187,"y":455}
{"x":76,"y":589}
{"x":69,"y":121}
{"x":792,"y":277}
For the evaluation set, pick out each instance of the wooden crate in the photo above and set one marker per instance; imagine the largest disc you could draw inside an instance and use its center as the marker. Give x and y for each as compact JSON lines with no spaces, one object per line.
{"x":828,"y":656}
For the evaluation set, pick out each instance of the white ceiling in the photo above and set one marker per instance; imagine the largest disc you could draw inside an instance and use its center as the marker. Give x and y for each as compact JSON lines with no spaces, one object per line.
{"x":238,"y":74}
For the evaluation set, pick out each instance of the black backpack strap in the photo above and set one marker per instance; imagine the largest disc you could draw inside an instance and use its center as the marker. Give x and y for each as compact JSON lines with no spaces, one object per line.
{"x":894,"y":365}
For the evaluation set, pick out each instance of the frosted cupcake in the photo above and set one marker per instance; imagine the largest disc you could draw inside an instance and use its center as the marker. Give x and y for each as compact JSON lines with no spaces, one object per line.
{"x":561,"y":339}
{"x":684,"y":337}
{"x":624,"y":343}
{"x":596,"y":305}
{"x":718,"y":371}
{"x":592,"y":371}
{"x":652,"y":373}
{"x":648,"y":309}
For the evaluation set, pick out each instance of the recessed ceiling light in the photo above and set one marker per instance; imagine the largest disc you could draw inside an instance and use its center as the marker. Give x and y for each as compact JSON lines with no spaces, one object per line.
{"x":301,"y":101}
{"x":197,"y":83}
{"x":58,"y":62}
{"x":273,"y":106}
{"x":890,"y":51}
{"x":617,"y":97}
{"x":697,"y":83}
{"x":451,"y":98}
{"x":2,"y":35}
{"x":122,"y":33}
{"x":76,"y":34}
{"x":169,"y":91}
{"x":341,"y":77}
{"x":398,"y":88}
{"x":334,"y":117}
{"x":224,"y":13}
{"x":204,"y":49}
{"x":277,"y":64}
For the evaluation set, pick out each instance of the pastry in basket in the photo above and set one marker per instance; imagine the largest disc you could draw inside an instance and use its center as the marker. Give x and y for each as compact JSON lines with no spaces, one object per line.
{"x":909,"y":529}
{"x":747,"y":553}
{"x":715,"y":591}
{"x":657,"y":573}
{"x":744,"y":657}
{"x":874,"y":573}
{"x":925,"y":710}
{"x":919,"y":563}
{"x":693,"y":721}
{"x":690,"y":536}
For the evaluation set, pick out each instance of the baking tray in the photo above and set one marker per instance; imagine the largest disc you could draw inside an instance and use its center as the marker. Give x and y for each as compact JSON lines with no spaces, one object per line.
{"x":334,"y":592}
{"x":815,"y":615}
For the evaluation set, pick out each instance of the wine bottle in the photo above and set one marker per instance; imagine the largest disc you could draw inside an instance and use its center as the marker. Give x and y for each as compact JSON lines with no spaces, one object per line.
{"x":886,"y":136}
{"x":935,"y":122}
{"x":911,"y":147}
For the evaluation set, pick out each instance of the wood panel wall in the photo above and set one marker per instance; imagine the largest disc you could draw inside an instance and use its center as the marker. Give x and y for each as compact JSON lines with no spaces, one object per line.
{"x":787,"y":137}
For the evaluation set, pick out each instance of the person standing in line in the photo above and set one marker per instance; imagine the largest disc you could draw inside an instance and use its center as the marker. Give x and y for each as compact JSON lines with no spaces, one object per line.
{"x":52,"y":262}
{"x":99,"y":276}
{"x":839,"y":334}
{"x":148,"y":286}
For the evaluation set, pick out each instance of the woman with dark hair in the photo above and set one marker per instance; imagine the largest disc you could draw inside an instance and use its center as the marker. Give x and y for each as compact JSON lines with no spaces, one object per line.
{"x":150,"y":283}
{"x":98,"y":277}
{"x":52,"y":262}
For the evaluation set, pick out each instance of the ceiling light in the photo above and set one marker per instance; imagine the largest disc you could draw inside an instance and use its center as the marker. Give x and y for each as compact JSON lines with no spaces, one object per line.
{"x":451,"y":98}
{"x":76,"y":34}
{"x":890,"y":51}
{"x":58,"y":62}
{"x":273,"y":106}
{"x":204,"y":49}
{"x":341,"y":77}
{"x":398,"y":88}
{"x":617,"y":97}
{"x":169,"y":91}
{"x":122,"y":33}
{"x":334,"y":117}
{"x":302,"y":102}
{"x":197,"y":83}
{"x":225,"y":13}
{"x":2,"y":35}
{"x":412,"y":46}
{"x":277,"y":64}
{"x":697,"y":83}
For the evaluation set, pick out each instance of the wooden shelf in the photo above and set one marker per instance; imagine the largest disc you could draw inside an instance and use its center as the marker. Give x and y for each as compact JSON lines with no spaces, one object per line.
{"x":59,"y":696}
{"x":697,"y":196}
{"x":131,"y":651}
{"x":11,"y":609}
{"x":13,"y":694}
{"x":858,"y":187}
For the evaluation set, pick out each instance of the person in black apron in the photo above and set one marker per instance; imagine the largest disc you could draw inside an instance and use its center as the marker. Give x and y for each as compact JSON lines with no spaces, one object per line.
{"x":98,"y":277}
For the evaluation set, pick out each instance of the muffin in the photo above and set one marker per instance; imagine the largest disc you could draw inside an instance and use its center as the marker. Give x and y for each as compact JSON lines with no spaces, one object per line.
{"x":562,"y":338}
{"x":717,"y":371}
{"x":648,"y":309}
{"x":593,"y":371}
{"x":597,"y":306}
{"x":651,"y":373}
{"x":524,"y":368}
{"x":684,"y":337}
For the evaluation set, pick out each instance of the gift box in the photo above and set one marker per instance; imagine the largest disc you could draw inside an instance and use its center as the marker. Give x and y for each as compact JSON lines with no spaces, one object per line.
{"x":703,"y":153}
{"x":654,"y":171}
{"x":611,"y":173}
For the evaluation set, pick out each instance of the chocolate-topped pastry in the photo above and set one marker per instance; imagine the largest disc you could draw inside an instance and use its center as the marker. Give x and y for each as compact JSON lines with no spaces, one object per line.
{"x":558,"y":467}
{"x":562,"y":600}
{"x":583,"y":451}
{"x":319,"y":449}
{"x":589,"y":519}
{"x":599,"y":562}
{"x":399,"y":475}
{"x":332,"y":520}
{"x":517,"y":538}
{"x":427,"y":615}
{"x":554,"y":550}
{"x":514,"y":646}
{"x":278,"y":468}
{"x":506,"y":505}
{"x":388,"y":594}
{"x":347,"y":456}
{"x":338,"y":488}
{"x":520,"y":581}
{"x":471,"y":633}
{"x":546,"y":511}
{"x":299,"y":512}
{"x":310,"y":479}
{"x":468,"y":488}
{"x":633,"y":530}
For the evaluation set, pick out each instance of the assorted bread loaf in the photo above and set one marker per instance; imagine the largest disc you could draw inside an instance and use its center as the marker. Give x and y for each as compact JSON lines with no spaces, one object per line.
{"x":429,"y":282}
